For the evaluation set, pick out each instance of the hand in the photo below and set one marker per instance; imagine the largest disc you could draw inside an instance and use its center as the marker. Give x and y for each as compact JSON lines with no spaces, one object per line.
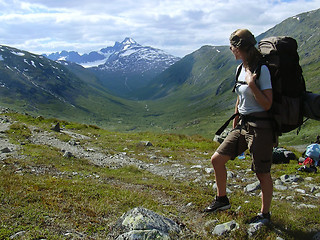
{"x":250,"y":77}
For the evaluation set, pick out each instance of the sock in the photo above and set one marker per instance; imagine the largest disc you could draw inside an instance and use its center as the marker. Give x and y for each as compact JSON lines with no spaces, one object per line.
{"x":266,"y":215}
{"x":222,"y":198}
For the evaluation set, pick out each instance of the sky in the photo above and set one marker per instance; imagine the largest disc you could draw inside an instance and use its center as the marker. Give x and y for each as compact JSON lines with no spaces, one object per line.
{"x":178,"y":27}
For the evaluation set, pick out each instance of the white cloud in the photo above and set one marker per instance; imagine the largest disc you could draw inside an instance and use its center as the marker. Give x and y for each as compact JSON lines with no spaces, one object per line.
{"x":176,"y":26}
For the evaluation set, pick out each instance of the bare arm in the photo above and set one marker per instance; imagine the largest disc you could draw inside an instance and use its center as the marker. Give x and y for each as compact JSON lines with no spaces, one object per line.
{"x":236,"y":119}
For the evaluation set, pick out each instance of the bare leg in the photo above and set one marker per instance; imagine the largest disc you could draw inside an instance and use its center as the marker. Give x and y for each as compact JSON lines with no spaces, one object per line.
{"x":267,"y":190}
{"x":219,"y":165}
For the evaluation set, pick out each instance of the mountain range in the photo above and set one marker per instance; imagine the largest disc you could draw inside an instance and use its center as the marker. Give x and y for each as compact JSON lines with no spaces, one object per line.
{"x":123,"y":68}
{"x":142,"y":88}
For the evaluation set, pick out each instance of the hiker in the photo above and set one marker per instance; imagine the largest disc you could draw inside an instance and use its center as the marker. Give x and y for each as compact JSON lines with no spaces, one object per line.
{"x":253,"y":101}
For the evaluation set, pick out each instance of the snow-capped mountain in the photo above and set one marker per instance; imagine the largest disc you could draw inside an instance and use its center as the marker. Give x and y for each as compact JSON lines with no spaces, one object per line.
{"x":123,"y":68}
{"x":107,"y":56}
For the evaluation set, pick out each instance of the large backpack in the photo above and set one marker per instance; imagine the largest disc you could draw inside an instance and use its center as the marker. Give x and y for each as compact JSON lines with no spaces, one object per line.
{"x":288,"y":85}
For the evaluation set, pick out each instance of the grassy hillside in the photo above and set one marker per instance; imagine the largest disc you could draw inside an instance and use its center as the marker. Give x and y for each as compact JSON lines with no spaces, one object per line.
{"x":34,"y":84}
{"x":44,"y":195}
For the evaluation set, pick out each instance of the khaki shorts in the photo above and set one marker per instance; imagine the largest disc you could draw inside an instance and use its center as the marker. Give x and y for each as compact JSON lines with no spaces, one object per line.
{"x":259,"y":141}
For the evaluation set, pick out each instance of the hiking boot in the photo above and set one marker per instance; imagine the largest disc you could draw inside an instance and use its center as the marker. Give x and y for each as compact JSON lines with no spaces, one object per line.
{"x":264,"y":218}
{"x":219,"y":204}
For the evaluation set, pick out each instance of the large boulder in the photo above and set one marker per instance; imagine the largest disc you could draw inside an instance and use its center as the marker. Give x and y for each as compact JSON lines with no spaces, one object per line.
{"x":141,"y":223}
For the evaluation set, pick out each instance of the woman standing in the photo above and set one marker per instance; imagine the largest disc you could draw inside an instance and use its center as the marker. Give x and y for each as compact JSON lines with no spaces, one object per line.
{"x":251,"y":130}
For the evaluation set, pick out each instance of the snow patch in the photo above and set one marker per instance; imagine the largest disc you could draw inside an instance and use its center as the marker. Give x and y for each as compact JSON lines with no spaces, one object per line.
{"x":33,"y":64}
{"x":94,"y":64}
{"x":1,"y":58}
{"x":20,"y":54}
{"x":127,"y":53}
{"x":25,"y":60}
{"x":9,"y":68}
{"x":63,"y":58}
{"x":295,"y":17}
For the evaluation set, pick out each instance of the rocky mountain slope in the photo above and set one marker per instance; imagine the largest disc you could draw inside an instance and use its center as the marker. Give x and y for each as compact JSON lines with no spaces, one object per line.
{"x":35,"y":84}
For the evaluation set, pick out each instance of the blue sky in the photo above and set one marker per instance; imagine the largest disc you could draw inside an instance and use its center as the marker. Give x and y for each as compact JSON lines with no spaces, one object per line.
{"x":177,"y":26}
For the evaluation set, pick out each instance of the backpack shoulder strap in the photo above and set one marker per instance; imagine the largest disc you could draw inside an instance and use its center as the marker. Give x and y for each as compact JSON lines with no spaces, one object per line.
{"x":239,"y":68}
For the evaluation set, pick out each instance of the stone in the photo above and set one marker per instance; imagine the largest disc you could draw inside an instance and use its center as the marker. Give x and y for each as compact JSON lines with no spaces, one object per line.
{"x":18,"y":235}
{"x":280,"y":187}
{"x":279,"y":238}
{"x":56,"y":128}
{"x":300,"y":191}
{"x":290,"y":178}
{"x":254,"y":227}
{"x":143,"y":234}
{"x":306,"y":206}
{"x":68,"y":154}
{"x":6,"y":150}
{"x":230,"y":174}
{"x":141,"y":223}
{"x":252,"y":187}
{"x":196,"y":167}
{"x":209,"y":170}
{"x":145,"y":144}
{"x":225,"y":228}
{"x":309,"y":179}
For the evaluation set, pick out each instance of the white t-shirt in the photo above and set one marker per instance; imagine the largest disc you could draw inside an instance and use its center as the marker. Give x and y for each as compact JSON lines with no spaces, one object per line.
{"x":247,"y":102}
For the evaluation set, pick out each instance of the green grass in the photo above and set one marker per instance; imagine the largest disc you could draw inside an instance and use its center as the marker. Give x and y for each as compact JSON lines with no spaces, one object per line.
{"x":52,"y":197}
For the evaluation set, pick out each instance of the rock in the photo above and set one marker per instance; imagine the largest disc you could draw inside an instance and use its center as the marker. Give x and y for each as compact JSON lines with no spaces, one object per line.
{"x":306,"y":206}
{"x":196,"y":167}
{"x":6,"y":150}
{"x":254,"y":227}
{"x":68,"y":154}
{"x":300,"y":191}
{"x":74,"y":142}
{"x":280,"y":187}
{"x":145,"y":144}
{"x":18,"y":235}
{"x":290,"y":178}
{"x":252,"y":187}
{"x":143,"y":234}
{"x":230,"y":174}
{"x":56,"y":128}
{"x":209,"y":170}
{"x":225,"y":228}
{"x":141,"y":223}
